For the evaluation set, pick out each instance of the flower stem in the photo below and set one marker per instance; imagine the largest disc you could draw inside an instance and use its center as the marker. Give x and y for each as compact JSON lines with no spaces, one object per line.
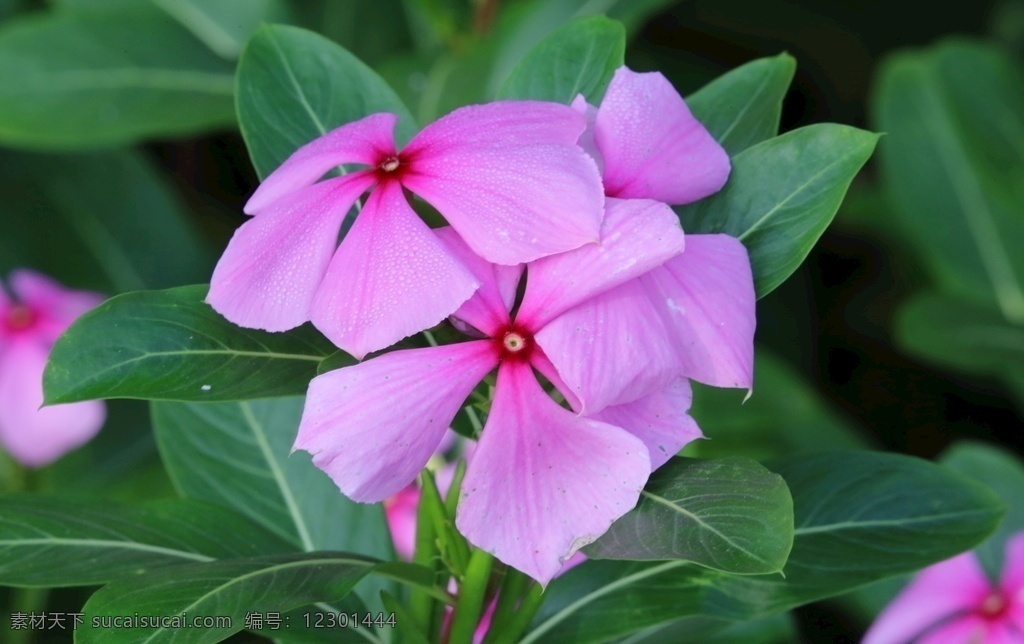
{"x":471,"y":598}
{"x":521,"y":619}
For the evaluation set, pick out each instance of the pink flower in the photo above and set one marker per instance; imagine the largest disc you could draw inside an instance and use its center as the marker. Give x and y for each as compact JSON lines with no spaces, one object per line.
{"x":953,"y":602}
{"x":543,"y":481}
{"x":507,"y":176}
{"x":650,"y":146}
{"x":40,"y":310}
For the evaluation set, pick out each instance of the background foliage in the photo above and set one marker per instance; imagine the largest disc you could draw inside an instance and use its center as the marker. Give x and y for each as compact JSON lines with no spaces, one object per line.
{"x":902,"y":330}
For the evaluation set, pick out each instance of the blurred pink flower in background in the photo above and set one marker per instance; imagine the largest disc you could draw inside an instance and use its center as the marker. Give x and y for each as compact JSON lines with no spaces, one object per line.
{"x":30,"y":321}
{"x":954,"y":602}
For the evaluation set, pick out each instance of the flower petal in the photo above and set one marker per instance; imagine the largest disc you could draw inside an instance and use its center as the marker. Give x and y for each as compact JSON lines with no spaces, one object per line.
{"x":513,"y":204}
{"x":653,"y":147}
{"x":498,"y":125}
{"x":937,"y":592}
{"x":34,"y":436}
{"x":269,"y":273}
{"x":391,"y":277}
{"x":373,"y":426}
{"x":364,"y":141}
{"x":966,"y":629}
{"x":706,"y":296}
{"x":659,"y":420}
{"x":60,"y":304}
{"x":612,"y":349}
{"x":487,"y":310}
{"x":587,"y":141}
{"x":637,"y":235}
{"x":544,"y":482}
{"x":489,"y":170}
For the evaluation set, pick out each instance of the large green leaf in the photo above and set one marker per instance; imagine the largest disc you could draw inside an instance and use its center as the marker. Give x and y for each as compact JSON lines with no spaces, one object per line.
{"x":294,"y":85}
{"x":76,"y":79}
{"x":224,"y":25}
{"x":730,"y":514}
{"x":860,"y":517}
{"x":781,"y":195}
{"x":239,"y":455}
{"x":46,"y":541}
{"x":959,"y":333}
{"x":106,"y":221}
{"x":953,"y":166}
{"x":170,"y":345}
{"x":743,"y":107}
{"x":1003,"y":473}
{"x":226,"y":589}
{"x":579,"y":58}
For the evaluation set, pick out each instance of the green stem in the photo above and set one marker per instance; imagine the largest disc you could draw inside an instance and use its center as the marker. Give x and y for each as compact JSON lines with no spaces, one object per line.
{"x":471,"y":598}
{"x":511,"y":591}
{"x":527,"y":609}
{"x":422,"y":606}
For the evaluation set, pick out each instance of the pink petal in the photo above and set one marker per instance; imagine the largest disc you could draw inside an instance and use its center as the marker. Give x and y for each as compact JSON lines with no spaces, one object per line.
{"x":489,"y":169}
{"x":51,"y":306}
{"x":365,"y":141}
{"x":637,"y":235}
{"x":34,"y":436}
{"x":373,"y":426}
{"x":487,"y":310}
{"x":400,"y":511}
{"x":967,"y":629}
{"x":391,"y":277}
{"x":659,"y":420}
{"x":587,"y":141}
{"x":653,"y":147}
{"x":513,"y":204}
{"x":1012,"y":581}
{"x":937,"y":592}
{"x":499,"y":125}
{"x":544,"y":482}
{"x":610,"y":350}
{"x":706,"y":296}
{"x":269,"y":273}
{"x":542,"y":364}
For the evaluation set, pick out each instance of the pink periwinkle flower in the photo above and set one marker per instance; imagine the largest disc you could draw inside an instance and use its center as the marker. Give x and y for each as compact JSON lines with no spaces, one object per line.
{"x":508,"y":177}
{"x":954,"y":602}
{"x":650,"y":146}
{"x":543,"y":481}
{"x":30,"y":321}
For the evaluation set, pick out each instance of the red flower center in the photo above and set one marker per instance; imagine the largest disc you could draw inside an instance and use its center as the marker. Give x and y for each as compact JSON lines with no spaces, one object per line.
{"x":19,"y":318}
{"x":994,"y":606}
{"x":390,"y":163}
{"x":515,"y":343}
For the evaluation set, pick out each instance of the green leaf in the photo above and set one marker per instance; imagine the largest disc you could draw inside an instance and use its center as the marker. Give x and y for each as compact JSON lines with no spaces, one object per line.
{"x":730,"y":514}
{"x":224,"y":25}
{"x":784,"y":416}
{"x":963,"y":334}
{"x":579,"y":58}
{"x":860,"y":517}
{"x":46,"y":541}
{"x":743,"y":107}
{"x":79,"y":216}
{"x":294,"y":86}
{"x":228,"y":589}
{"x":953,"y":166}
{"x":1003,"y":473}
{"x":781,"y":195}
{"x":239,"y":455}
{"x":130,"y":73}
{"x":170,"y":345}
